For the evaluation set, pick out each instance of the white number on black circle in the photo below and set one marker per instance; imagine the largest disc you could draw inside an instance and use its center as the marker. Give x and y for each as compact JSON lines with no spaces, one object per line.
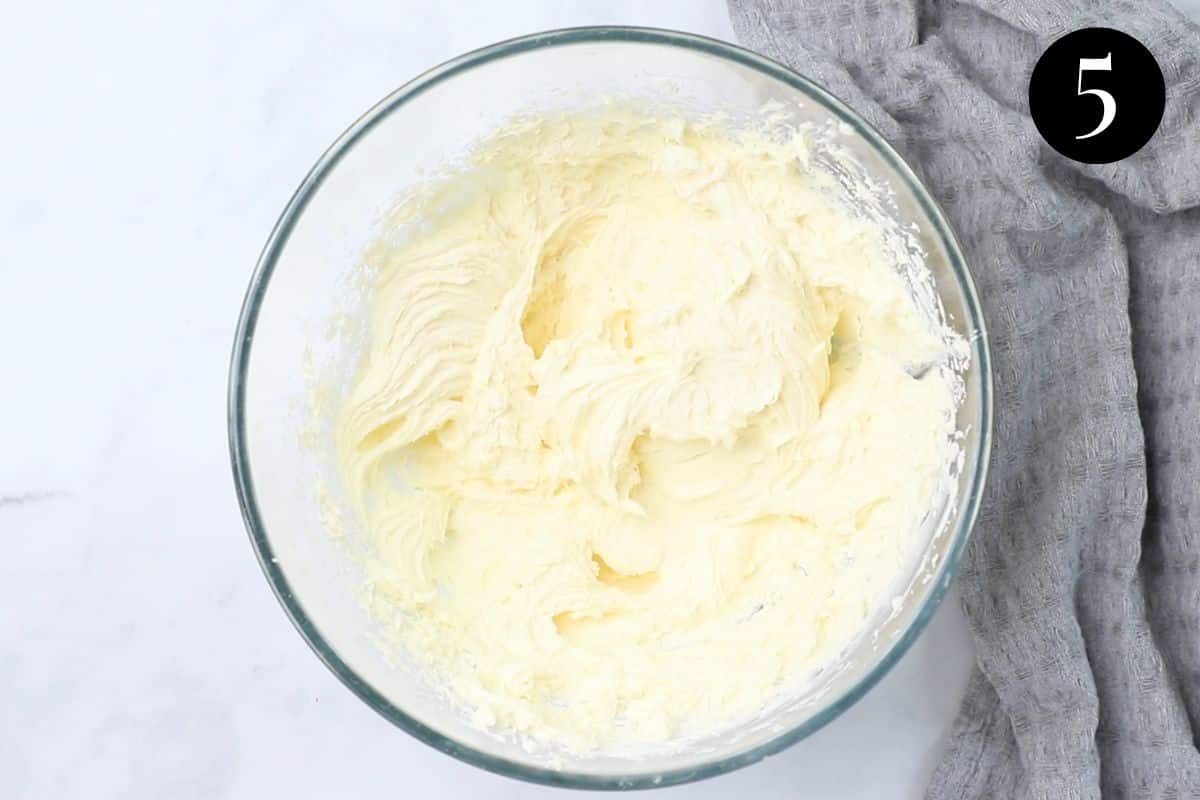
{"x":1109,"y":102}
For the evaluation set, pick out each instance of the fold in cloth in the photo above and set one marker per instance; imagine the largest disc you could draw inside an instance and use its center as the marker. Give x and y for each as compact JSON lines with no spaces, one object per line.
{"x":1082,"y":584}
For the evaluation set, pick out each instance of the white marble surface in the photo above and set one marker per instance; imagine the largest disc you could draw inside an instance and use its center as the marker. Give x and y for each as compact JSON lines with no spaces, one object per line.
{"x":148,"y":151}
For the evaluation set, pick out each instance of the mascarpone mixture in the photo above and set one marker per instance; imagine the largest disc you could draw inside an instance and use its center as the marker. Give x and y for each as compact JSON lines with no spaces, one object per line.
{"x":644,"y":428}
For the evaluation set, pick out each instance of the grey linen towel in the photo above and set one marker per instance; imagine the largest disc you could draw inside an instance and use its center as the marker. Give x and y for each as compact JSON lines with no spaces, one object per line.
{"x":1082,"y":585}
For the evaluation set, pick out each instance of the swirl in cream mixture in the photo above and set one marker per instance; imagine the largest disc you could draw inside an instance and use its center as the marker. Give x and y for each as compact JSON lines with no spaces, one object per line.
{"x":635,"y":439}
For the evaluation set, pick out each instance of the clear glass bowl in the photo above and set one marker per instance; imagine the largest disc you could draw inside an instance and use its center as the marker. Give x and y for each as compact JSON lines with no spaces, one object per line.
{"x":305,"y":266}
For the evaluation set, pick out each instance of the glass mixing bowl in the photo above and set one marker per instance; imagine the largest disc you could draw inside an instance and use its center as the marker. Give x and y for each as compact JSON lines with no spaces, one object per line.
{"x":304,"y":269}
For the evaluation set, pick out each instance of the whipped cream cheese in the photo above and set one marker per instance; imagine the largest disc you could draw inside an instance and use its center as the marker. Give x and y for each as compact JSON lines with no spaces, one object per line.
{"x":639,"y":436}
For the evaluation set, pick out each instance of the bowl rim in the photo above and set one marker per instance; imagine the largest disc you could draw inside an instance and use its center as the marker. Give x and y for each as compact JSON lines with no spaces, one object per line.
{"x":260,"y":280}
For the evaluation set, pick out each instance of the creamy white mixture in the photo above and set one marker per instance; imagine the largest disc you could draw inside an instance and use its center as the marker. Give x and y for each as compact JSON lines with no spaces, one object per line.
{"x":636,"y":436}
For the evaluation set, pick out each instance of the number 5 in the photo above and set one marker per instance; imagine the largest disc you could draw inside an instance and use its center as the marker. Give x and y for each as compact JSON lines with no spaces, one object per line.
{"x":1110,"y":104}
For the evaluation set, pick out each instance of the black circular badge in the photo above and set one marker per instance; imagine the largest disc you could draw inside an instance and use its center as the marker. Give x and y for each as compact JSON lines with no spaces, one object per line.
{"x":1097,"y":95}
